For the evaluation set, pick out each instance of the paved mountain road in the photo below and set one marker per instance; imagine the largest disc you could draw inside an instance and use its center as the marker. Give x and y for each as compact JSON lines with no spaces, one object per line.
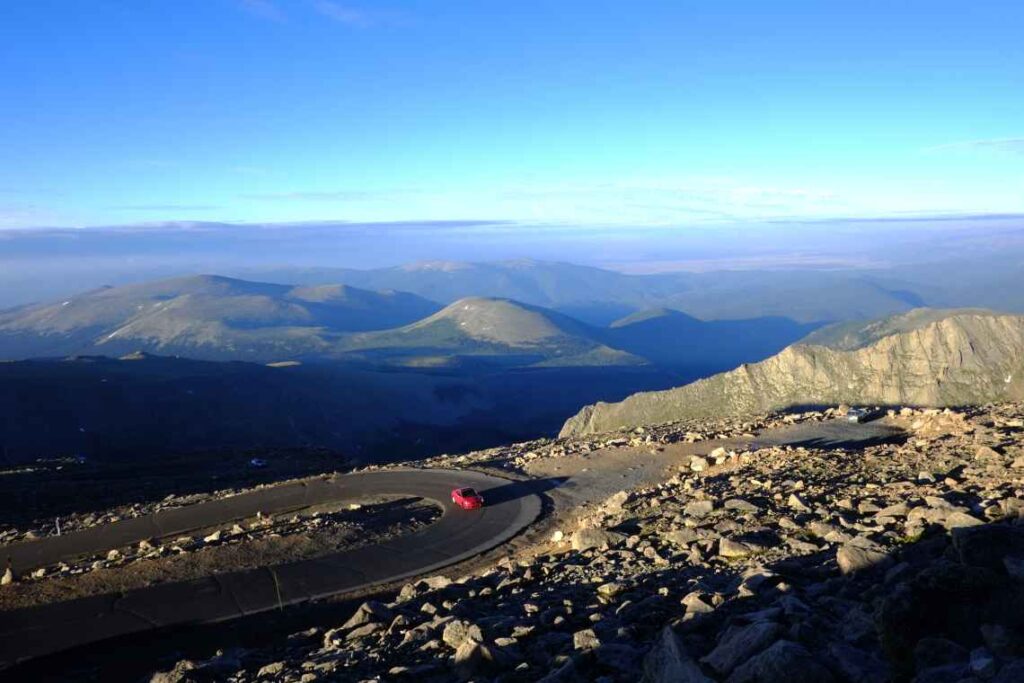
{"x":456,"y":536}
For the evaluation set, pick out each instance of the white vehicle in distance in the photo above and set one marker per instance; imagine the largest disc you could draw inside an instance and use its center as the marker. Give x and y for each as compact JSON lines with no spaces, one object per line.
{"x":858,"y":415}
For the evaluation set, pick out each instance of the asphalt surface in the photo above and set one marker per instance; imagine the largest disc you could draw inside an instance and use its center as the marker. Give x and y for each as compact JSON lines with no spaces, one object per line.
{"x":456,"y":536}
{"x":837,"y":433}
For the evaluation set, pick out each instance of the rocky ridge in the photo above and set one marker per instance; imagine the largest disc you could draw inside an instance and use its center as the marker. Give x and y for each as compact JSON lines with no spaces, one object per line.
{"x":963,"y":358}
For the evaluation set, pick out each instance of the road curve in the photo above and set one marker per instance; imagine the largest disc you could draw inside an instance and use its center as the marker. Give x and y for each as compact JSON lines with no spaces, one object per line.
{"x":457,"y":535}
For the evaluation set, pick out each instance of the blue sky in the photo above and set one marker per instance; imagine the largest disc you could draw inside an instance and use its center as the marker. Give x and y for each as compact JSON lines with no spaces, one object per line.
{"x":610,"y":113}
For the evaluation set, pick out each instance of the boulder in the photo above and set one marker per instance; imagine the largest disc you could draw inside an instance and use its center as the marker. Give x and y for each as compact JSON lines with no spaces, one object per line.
{"x":270,"y":670}
{"x":681,"y":537}
{"x":615,"y":502}
{"x":733,"y":549}
{"x":458,"y":632}
{"x":593,"y":537}
{"x":370,"y":612}
{"x":740,"y":505}
{"x":699,"y":508}
{"x":585,"y":639}
{"x":988,"y":545}
{"x":796,"y":503}
{"x":853,"y":558}
{"x":668,"y":662}
{"x":739,"y":644}
{"x":783,"y":662}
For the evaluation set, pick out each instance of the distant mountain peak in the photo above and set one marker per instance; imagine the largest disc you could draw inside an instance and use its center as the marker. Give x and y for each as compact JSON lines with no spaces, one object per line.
{"x":498,"y":329}
{"x":503,"y":320}
{"x":653,"y":314}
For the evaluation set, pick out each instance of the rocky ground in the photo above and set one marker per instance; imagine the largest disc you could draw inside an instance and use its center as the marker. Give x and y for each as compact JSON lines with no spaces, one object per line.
{"x":886,"y":562}
{"x":258,"y":542}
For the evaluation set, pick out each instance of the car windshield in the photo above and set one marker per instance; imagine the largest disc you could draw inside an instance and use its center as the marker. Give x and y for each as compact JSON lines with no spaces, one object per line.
{"x":468,"y":492}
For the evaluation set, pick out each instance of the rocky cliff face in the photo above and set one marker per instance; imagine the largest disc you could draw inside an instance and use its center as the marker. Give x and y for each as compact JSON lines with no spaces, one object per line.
{"x":963,"y":358}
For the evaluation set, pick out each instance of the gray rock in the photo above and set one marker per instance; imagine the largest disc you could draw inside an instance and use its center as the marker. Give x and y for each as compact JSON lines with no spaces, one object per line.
{"x":585,"y":640}
{"x":695,"y":604}
{"x":668,"y":662}
{"x":592,"y":537}
{"x":457,"y":632}
{"x":682,"y":537}
{"x":472,"y":657}
{"x":987,"y":453}
{"x":614,"y":503}
{"x":958,"y":519}
{"x":363,"y":631}
{"x":739,"y":644}
{"x":986,"y":546}
{"x":178,"y":674}
{"x":796,"y":503}
{"x":783,"y":662}
{"x":740,"y":505}
{"x":369,"y":612}
{"x":270,"y":670}
{"x":699,"y":508}
{"x":733,"y":549}
{"x":852,"y":558}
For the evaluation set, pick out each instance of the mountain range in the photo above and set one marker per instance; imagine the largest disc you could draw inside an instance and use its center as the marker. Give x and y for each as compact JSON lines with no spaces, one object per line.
{"x":207,"y":317}
{"x":599,"y":297}
{"x":219,"y":318}
{"x":377,"y":372}
{"x":923,"y":358}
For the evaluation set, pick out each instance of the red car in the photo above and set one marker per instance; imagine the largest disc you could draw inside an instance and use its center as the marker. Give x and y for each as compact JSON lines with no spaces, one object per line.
{"x":467,"y":498}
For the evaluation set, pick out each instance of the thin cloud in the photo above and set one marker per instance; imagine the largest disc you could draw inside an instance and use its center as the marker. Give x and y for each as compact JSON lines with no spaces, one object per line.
{"x":264,"y":9}
{"x":164,"y":207}
{"x":356,"y":17}
{"x":904,"y":218}
{"x":1011,"y":145}
{"x":328,"y":196}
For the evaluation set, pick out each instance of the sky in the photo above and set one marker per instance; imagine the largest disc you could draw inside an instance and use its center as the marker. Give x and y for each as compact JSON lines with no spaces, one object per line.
{"x":638,"y":113}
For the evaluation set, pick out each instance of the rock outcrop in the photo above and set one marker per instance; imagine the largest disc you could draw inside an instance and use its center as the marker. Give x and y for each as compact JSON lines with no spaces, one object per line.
{"x":961,"y":358}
